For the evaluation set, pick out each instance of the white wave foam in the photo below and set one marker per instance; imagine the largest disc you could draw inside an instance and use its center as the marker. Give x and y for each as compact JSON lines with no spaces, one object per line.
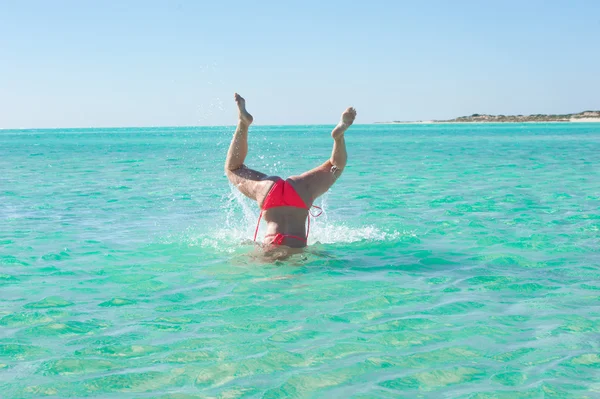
{"x":331,"y":233}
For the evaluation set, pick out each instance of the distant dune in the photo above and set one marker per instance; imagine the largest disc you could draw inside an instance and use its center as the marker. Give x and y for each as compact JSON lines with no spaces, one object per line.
{"x":585,"y":116}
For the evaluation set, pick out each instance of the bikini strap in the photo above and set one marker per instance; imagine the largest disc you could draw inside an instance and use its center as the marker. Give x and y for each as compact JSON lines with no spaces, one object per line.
{"x":278,"y":238}
{"x":318,"y":214}
{"x":315,"y":216}
{"x":258,"y":224}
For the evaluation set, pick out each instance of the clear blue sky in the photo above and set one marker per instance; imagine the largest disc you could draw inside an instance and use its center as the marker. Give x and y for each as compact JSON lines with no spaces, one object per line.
{"x":158,"y":63}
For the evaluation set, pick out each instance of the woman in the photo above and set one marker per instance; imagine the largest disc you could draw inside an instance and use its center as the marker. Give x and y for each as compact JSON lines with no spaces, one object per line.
{"x":284,"y":204}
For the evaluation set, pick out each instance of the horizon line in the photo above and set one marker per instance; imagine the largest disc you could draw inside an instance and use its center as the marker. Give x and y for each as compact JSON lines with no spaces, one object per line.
{"x":430,"y":122}
{"x":167,"y":126}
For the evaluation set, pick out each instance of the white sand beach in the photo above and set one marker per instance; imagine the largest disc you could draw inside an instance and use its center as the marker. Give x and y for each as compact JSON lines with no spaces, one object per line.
{"x":584,"y":120}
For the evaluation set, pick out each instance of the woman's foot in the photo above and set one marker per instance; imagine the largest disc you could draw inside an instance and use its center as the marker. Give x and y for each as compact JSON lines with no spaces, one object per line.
{"x":244,"y":116}
{"x":345,"y":122}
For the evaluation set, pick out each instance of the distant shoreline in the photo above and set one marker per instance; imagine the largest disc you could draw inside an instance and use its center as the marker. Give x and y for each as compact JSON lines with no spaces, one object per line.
{"x":592,"y":120}
{"x":581,"y":117}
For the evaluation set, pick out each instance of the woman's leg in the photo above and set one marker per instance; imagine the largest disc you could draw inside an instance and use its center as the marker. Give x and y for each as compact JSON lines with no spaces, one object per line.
{"x":250,"y":182}
{"x":317,"y":181}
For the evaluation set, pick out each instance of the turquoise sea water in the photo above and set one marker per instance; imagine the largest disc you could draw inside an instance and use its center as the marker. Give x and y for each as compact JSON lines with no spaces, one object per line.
{"x":452,"y":261}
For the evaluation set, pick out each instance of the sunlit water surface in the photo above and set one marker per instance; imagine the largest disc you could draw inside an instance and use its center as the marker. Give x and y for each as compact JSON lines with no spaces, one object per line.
{"x":452,"y":261}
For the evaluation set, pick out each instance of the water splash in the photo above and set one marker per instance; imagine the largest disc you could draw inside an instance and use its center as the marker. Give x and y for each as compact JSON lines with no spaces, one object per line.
{"x":241,"y":216}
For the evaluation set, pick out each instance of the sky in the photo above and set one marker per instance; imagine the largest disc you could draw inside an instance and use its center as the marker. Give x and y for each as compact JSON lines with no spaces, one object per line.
{"x":178,"y":63}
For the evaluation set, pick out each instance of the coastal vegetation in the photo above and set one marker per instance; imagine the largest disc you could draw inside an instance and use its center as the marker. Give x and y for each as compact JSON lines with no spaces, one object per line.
{"x":585,"y":116}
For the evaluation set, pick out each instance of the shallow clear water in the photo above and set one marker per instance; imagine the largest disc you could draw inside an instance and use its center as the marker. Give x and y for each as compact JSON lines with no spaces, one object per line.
{"x":453,"y":261}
